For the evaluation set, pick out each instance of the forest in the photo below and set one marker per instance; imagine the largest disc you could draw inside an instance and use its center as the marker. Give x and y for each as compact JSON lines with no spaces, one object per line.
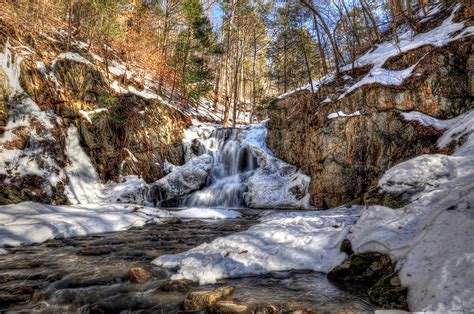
{"x":236,"y":156}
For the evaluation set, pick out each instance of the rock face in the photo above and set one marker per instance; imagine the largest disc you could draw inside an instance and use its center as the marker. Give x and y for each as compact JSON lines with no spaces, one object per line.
{"x":123,"y":133}
{"x":345,"y":156}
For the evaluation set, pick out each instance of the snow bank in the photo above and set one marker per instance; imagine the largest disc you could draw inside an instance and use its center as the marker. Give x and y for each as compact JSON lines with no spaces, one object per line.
{"x":275,"y":184}
{"x":283,"y":241}
{"x":28,"y":222}
{"x":431,"y":238}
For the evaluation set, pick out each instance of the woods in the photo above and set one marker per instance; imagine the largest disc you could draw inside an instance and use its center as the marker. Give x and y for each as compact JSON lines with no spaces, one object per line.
{"x":235,"y":53}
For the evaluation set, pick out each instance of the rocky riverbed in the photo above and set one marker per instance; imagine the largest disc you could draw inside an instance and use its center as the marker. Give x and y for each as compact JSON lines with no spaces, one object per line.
{"x":112,"y":272}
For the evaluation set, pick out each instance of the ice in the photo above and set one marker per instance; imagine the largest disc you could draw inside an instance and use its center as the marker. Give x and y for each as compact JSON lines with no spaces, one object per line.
{"x":28,"y":223}
{"x":431,"y":238}
{"x":206,"y":213}
{"x":284,"y":241}
{"x":84,"y":183}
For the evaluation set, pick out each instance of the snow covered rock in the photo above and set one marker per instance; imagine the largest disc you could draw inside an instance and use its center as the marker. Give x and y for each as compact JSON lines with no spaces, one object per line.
{"x":431,"y":238}
{"x":283,"y":241}
{"x":183,"y":179}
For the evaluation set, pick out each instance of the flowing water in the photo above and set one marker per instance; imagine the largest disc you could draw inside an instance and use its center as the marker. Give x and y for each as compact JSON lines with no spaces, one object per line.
{"x":232,"y":165}
{"x":88,"y":274}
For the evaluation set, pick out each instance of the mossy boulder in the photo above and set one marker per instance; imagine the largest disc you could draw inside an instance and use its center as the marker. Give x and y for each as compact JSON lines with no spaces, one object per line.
{"x":376,"y":196}
{"x":388,"y":292}
{"x":365,"y":268}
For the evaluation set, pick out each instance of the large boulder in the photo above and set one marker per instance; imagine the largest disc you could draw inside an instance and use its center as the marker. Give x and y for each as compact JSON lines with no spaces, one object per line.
{"x":182,"y":180}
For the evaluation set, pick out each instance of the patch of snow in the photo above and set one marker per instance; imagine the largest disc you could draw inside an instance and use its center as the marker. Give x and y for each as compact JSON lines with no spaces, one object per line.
{"x":341,"y":114}
{"x":431,"y":238}
{"x":206,"y":213}
{"x":73,"y":56}
{"x":144,"y":93}
{"x":3,"y":252}
{"x":86,"y":114}
{"x":284,"y":241}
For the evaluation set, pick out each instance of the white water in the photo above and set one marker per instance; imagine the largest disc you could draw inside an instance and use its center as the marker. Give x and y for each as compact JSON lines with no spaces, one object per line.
{"x":232,"y":165}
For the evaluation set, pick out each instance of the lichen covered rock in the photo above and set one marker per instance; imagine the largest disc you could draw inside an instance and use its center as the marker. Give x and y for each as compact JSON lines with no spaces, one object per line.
{"x":365,"y":268}
{"x":388,"y":292}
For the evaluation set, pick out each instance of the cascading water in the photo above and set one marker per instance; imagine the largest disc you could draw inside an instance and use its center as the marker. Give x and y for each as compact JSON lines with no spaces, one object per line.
{"x":232,"y":165}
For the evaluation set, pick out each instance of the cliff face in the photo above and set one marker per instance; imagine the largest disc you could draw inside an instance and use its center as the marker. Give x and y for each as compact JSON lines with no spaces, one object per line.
{"x":46,"y":86}
{"x":345,"y":155}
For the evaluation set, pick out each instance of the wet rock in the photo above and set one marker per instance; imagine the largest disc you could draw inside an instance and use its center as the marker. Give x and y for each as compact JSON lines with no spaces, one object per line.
{"x":95,"y":250}
{"x":346,"y":247}
{"x":171,"y":220}
{"x":182,"y":285}
{"x":366,"y":268}
{"x":138,"y":275}
{"x":268,"y":309}
{"x":8,"y":299}
{"x":37,"y":297}
{"x":199,"y":300}
{"x":388,"y":292}
{"x":231,"y":307}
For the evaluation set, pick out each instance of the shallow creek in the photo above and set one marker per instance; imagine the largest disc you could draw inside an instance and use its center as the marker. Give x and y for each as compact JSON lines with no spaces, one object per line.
{"x":89,"y":274}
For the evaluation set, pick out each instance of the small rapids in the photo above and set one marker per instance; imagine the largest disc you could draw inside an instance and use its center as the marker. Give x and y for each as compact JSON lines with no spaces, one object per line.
{"x":232,"y":165}
{"x":89,"y":274}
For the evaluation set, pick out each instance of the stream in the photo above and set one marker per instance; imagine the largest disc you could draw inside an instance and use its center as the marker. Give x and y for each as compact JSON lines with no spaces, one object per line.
{"x":89,"y":274}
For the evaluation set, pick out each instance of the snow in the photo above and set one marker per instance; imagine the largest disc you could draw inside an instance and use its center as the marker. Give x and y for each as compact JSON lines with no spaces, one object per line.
{"x":339,"y":114}
{"x":86,"y":114}
{"x":84,"y":183}
{"x":186,"y":178}
{"x":73,"y":56}
{"x":283,"y":241}
{"x":440,"y":36}
{"x":130,"y":190}
{"x":431,"y":238}
{"x":206,"y":213}
{"x":28,"y":223}
{"x":271,"y":185}
{"x":35,"y":159}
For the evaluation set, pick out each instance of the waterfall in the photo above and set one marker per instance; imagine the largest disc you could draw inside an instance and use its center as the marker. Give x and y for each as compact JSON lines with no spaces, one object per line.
{"x":232,"y":165}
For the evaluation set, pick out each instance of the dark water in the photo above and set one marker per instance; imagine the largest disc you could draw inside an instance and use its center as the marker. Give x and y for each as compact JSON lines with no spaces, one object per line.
{"x":88,"y":274}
